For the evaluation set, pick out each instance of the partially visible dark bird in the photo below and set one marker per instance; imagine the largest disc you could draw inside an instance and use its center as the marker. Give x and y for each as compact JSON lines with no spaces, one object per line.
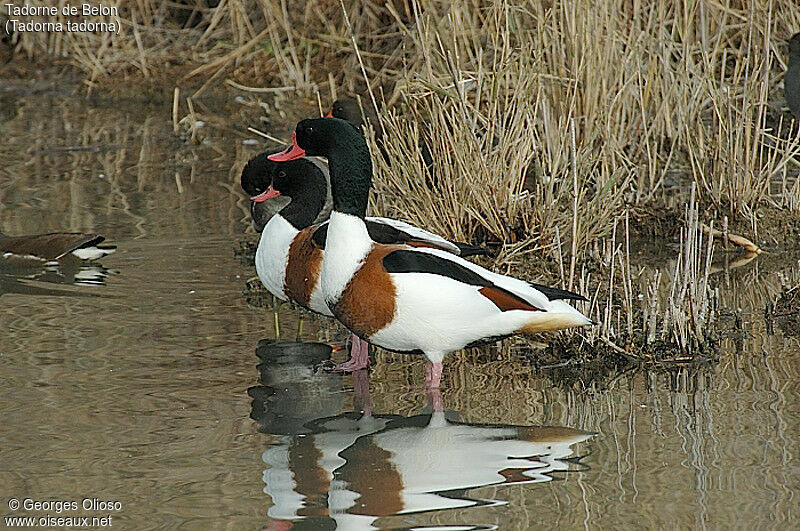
{"x":54,"y":247}
{"x":791,"y":83}
{"x":348,"y":109}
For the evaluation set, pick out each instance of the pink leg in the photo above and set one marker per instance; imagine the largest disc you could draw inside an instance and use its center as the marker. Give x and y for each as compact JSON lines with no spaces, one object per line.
{"x":433,"y":375}
{"x":435,"y":399}
{"x":362,"y":399}
{"x":359,"y":356}
{"x":279,"y":525}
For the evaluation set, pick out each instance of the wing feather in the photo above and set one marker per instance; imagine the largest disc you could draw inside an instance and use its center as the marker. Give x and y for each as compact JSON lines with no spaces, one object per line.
{"x":412,"y":261}
{"x":534,"y":294}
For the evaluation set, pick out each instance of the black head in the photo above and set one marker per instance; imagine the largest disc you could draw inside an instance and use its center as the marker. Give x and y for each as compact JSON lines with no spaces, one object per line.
{"x":257,"y":174}
{"x":324,"y":137}
{"x":347,"y":109}
{"x":301,"y":180}
{"x":794,"y":45}
{"x":350,"y":110}
{"x":348,"y":159}
{"x":292,"y":179}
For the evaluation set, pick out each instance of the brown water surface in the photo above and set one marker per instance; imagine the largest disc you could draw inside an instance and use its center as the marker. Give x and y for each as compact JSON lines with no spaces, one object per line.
{"x":134,"y":387}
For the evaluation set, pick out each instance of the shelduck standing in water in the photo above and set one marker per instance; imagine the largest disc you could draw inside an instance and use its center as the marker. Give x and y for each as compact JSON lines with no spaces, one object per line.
{"x":412,"y":299}
{"x":291,"y":247}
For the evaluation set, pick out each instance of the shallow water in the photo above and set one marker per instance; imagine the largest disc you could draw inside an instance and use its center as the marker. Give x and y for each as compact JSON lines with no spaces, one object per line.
{"x":158,"y":387}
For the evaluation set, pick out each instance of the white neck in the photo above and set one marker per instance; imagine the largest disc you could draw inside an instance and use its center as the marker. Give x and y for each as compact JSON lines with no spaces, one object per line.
{"x":346,"y":247}
{"x":272,"y":254}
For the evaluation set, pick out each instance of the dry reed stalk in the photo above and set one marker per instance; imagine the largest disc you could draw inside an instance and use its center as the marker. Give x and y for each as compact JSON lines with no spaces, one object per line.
{"x":677,"y":311}
{"x":688,"y":309}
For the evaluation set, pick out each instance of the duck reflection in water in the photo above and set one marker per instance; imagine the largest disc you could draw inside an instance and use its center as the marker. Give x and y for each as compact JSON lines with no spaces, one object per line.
{"x":345,"y":470}
{"x":68,"y":274}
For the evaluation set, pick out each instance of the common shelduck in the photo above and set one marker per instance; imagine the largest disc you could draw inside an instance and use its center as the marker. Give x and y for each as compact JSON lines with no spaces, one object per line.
{"x":350,"y":110}
{"x":53,"y":247}
{"x":404,"y":298}
{"x":290,"y":251}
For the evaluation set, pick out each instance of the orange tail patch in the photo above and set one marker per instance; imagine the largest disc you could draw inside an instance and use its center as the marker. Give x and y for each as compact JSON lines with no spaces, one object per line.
{"x":506,"y":300}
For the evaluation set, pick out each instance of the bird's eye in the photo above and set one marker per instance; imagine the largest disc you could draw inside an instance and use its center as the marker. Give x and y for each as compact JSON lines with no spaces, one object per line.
{"x":309,"y":129}
{"x":281,"y":173}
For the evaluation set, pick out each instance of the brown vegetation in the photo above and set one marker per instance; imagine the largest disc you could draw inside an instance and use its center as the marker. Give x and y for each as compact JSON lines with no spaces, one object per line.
{"x":551,"y":124}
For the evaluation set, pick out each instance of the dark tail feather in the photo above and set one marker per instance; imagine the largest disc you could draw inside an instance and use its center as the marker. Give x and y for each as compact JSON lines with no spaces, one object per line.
{"x":466,"y":250}
{"x":91,"y":240}
{"x":558,"y":294}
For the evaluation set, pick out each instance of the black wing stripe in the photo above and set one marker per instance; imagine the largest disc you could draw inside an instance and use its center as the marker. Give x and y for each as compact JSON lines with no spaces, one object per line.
{"x":387,"y":234}
{"x":404,"y":261}
{"x":378,"y":232}
{"x":383,"y":233}
{"x":466,"y":250}
{"x":557,"y":294}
